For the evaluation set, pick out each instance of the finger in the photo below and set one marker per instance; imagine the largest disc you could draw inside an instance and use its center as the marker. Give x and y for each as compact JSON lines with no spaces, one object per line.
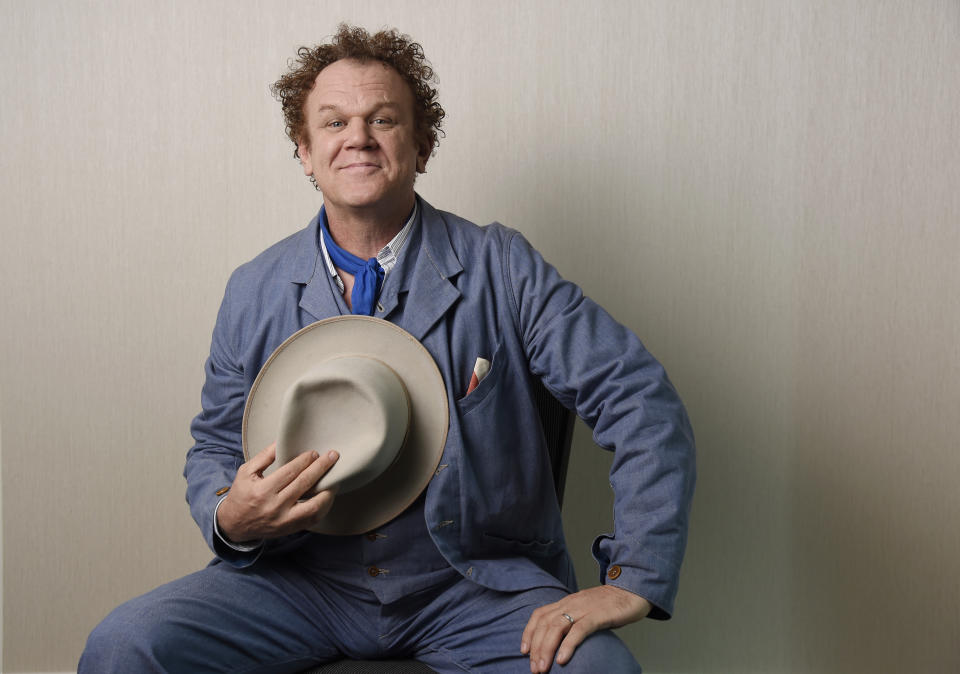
{"x":535,"y":636}
{"x":551,"y":630}
{"x":540,"y":636}
{"x":262,"y":459}
{"x":305,"y":514}
{"x":309,"y":476}
{"x":526,"y":639}
{"x":579,"y":631}
{"x":288,"y":472}
{"x":528,"y":631}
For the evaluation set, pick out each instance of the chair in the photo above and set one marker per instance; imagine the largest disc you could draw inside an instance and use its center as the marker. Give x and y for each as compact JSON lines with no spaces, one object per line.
{"x":557,"y":423}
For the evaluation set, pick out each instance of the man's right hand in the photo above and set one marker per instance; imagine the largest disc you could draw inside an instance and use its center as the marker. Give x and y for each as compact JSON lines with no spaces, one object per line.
{"x":258,"y":507}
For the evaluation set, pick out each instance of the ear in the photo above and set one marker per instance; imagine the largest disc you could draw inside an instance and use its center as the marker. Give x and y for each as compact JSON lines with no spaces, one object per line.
{"x":303,"y":149}
{"x":423,"y":154}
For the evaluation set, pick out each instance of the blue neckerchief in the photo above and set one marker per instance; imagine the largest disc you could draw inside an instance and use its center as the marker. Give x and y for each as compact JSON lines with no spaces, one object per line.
{"x":367,"y":275}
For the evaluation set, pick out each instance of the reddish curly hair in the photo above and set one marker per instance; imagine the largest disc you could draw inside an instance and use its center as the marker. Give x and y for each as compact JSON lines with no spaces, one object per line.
{"x":351,"y":42}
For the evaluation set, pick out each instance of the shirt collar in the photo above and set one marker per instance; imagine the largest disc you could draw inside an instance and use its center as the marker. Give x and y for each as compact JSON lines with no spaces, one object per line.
{"x":388,"y":255}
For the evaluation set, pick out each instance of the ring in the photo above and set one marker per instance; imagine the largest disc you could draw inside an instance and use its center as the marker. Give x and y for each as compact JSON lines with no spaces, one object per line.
{"x":567,"y":616}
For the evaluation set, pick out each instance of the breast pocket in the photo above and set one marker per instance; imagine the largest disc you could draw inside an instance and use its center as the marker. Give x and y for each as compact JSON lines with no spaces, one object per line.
{"x":504,"y":465}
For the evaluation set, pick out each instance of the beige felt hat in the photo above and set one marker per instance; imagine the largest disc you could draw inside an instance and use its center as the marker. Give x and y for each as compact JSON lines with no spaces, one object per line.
{"x":369,"y":390}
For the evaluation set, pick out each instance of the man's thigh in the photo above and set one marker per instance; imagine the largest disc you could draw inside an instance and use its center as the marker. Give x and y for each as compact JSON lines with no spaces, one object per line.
{"x":470,"y":628}
{"x":222,"y":619}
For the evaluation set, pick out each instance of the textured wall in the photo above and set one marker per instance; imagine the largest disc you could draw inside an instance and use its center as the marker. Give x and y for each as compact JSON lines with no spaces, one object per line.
{"x":767,"y":192}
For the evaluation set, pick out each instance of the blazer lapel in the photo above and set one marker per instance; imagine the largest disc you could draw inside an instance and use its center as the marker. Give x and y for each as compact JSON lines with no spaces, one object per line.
{"x":426,"y":280}
{"x":308,"y":269}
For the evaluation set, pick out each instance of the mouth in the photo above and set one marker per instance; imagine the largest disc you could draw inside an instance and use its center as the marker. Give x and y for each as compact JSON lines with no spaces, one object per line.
{"x":360,"y":166}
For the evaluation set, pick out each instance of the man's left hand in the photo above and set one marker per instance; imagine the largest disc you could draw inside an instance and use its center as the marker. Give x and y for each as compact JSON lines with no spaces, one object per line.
{"x":593,"y":609}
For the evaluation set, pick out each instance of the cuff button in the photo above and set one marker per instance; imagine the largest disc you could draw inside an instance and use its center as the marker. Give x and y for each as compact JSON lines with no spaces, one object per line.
{"x":614,"y":572}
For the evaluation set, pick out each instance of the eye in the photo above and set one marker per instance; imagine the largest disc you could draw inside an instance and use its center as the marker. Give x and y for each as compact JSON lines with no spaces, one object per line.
{"x":381,"y":121}
{"x":336,"y":124}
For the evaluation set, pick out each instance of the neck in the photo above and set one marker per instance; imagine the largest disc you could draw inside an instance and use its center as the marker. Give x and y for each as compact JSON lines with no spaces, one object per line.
{"x":364,"y":232}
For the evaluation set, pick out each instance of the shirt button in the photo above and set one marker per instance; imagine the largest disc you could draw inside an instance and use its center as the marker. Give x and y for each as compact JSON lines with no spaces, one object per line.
{"x":373,"y":571}
{"x":614,"y":572}
{"x":371,"y":537}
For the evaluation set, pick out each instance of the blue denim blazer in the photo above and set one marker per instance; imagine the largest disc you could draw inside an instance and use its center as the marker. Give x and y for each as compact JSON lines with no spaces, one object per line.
{"x":479,"y":291}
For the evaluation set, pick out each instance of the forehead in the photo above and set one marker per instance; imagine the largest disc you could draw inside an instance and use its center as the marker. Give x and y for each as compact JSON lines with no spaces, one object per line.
{"x":350,"y":82}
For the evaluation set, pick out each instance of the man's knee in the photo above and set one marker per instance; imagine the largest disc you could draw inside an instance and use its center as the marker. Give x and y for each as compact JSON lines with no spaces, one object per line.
{"x":601,"y":651}
{"x":128,"y":639}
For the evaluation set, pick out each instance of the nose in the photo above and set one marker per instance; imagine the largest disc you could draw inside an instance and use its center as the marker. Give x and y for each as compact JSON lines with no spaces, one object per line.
{"x":359,"y":136}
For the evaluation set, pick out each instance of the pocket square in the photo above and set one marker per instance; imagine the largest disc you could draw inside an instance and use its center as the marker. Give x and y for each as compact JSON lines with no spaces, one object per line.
{"x":480,"y":370}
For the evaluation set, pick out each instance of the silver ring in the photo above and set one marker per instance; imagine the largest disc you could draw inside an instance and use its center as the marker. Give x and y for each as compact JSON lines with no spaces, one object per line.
{"x":567,"y":616}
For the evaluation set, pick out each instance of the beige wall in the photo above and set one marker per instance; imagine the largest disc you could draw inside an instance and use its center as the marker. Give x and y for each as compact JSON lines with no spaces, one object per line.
{"x":767,"y":192}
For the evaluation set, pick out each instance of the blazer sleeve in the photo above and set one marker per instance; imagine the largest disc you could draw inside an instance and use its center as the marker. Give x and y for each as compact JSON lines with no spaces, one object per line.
{"x":598,"y":367}
{"x":213,"y":460}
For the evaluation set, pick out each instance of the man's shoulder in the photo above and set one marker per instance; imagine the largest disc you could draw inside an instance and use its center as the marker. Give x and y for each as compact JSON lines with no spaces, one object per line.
{"x":293,"y":258}
{"x":464,"y":232}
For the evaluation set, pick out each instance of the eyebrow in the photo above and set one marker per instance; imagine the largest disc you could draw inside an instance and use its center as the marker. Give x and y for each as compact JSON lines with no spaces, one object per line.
{"x":330,"y":107}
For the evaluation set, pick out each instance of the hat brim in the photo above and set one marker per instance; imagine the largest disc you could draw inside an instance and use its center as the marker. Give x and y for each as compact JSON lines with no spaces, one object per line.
{"x":388,"y":495}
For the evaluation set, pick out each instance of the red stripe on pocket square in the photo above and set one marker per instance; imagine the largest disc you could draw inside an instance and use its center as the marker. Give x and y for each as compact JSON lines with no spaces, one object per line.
{"x":480,"y":370}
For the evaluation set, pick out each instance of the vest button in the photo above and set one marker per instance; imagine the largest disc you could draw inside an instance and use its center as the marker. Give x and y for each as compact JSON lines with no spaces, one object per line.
{"x":614,"y":572}
{"x":373,"y":571}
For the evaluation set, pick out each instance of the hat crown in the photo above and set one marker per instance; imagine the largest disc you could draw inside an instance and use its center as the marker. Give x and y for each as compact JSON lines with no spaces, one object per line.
{"x":354,"y":404}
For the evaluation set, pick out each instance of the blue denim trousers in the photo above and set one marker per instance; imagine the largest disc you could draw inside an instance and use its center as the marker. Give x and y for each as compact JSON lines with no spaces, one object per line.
{"x":279,"y":617}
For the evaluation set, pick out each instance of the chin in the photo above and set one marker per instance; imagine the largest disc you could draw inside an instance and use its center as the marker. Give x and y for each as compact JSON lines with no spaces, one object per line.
{"x":374,"y":199}
{"x":367,"y":201}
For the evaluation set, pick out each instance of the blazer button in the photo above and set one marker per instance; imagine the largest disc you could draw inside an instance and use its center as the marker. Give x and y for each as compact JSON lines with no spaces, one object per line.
{"x":614,"y":572}
{"x":373,"y":571}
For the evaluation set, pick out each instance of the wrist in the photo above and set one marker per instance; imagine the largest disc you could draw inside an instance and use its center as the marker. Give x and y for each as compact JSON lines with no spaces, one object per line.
{"x":224,"y":530}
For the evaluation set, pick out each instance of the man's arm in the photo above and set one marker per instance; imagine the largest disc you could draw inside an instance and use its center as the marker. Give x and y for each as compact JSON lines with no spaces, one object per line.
{"x":251,"y":507}
{"x":601,"y":369}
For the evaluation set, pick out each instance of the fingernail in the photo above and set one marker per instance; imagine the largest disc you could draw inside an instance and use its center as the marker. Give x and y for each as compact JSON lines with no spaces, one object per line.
{"x":561,"y":657}
{"x":332,"y":455}
{"x":314,"y":456}
{"x":543,"y":665}
{"x":523,"y":647}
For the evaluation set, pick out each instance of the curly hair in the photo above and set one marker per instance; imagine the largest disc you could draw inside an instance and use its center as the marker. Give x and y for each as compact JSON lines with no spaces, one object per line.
{"x":351,"y":42}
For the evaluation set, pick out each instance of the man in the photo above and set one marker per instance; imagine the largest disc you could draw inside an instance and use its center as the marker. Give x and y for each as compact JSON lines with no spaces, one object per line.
{"x":474,"y":576}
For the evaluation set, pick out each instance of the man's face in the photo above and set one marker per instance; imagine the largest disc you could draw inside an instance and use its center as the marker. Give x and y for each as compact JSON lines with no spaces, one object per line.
{"x":361,"y":146}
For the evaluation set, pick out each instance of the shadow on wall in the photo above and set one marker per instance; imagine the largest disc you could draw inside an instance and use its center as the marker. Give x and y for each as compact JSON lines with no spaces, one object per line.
{"x":875,"y":571}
